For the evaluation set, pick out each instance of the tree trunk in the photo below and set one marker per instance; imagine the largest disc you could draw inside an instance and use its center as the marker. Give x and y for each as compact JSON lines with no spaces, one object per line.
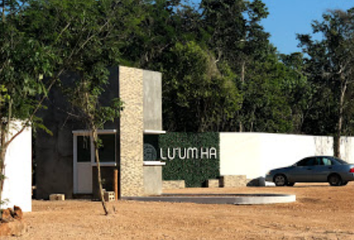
{"x":3,"y":11}
{"x":3,"y":148}
{"x":2,"y":172}
{"x":336,"y":141}
{"x":243,"y":72}
{"x":243,"y":66}
{"x":99,"y":179}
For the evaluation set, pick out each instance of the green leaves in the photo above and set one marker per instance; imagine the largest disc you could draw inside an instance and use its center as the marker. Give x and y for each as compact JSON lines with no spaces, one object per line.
{"x":4,"y":96}
{"x":195,"y":92}
{"x":108,"y":114}
{"x":329,"y":65}
{"x":219,"y":70}
{"x":89,"y":32}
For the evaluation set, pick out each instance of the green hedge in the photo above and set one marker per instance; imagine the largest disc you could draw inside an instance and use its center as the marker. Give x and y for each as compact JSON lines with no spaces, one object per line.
{"x":195,"y":172}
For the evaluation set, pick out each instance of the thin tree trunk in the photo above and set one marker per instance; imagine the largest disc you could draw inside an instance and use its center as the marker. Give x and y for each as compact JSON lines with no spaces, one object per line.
{"x":99,"y":179}
{"x":3,"y":149}
{"x":3,"y":145}
{"x":243,"y":70}
{"x":240,"y":129}
{"x":3,"y":11}
{"x":2,"y":172}
{"x":336,"y":141}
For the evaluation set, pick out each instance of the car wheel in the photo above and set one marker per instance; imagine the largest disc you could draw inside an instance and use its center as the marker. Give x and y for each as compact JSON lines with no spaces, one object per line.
{"x":344,"y":183}
{"x":280,"y":180}
{"x":334,"y":180}
{"x":290,"y":184}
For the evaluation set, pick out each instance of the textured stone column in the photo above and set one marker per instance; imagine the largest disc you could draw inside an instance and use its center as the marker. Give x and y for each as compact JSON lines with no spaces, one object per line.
{"x":131,"y":131}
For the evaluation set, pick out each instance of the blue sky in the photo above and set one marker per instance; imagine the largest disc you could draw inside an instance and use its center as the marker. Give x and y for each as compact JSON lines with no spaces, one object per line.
{"x":288,"y":17}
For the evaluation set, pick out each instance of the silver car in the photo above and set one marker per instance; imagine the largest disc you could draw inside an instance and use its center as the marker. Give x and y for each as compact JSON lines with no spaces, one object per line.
{"x":314,"y":169}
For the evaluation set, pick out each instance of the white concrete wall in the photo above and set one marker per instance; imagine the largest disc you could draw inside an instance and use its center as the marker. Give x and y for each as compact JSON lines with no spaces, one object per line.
{"x":254,"y":154}
{"x":240,"y":154}
{"x":347,"y":149}
{"x":18,"y":171}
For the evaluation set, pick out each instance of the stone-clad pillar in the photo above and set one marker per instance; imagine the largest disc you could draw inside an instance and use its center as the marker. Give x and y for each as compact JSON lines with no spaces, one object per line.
{"x":131,"y":131}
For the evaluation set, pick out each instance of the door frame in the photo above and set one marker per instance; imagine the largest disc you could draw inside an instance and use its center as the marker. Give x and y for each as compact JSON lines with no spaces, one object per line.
{"x":77,"y":133}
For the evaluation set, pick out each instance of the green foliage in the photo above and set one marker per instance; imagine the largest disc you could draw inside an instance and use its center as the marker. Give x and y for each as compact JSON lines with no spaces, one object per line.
{"x":220,"y":73}
{"x":196,"y":93}
{"x":101,"y":51}
{"x":274,"y":97}
{"x":22,"y":82}
{"x":4,"y":96}
{"x":234,"y":30}
{"x":219,"y":70}
{"x":330,"y":64}
{"x":48,"y":38}
{"x":195,"y":172}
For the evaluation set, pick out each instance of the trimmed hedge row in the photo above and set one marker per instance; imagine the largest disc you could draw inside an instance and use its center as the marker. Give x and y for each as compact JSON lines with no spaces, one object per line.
{"x":195,"y":172}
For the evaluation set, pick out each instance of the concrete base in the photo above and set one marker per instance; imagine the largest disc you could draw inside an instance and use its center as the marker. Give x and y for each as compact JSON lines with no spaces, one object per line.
{"x":152,"y":179}
{"x":231,"y":181}
{"x":56,"y":197}
{"x":173,"y":184}
{"x":213,"y":183}
{"x":237,"y":199}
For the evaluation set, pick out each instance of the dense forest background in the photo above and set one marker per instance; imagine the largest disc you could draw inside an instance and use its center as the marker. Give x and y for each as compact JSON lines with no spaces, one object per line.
{"x":220,"y":72}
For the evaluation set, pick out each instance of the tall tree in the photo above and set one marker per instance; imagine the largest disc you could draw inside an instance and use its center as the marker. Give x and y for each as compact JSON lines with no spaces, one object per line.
{"x":84,"y":95}
{"x":235,"y":35}
{"x":331,"y":60}
{"x":93,"y":36}
{"x":235,"y":32}
{"x":196,"y":93}
{"x":23,"y":62}
{"x":48,"y":38}
{"x":85,"y":89}
{"x":299,"y":92}
{"x":226,"y":33}
{"x":266,"y":108}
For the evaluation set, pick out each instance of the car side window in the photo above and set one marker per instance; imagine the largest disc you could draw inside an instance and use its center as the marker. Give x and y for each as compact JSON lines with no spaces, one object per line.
{"x":319,"y":161}
{"x":302,"y":163}
{"x":307,"y":162}
{"x":311,"y":162}
{"x":327,"y":162}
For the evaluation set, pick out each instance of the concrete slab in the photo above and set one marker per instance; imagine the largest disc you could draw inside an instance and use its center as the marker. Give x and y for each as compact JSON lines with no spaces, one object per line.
{"x":237,"y":199}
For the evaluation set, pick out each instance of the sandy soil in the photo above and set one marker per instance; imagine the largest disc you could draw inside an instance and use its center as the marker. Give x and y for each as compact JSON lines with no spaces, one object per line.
{"x":321,"y":212}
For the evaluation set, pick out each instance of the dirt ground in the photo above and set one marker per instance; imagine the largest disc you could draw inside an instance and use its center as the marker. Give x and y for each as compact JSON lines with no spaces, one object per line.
{"x":320,"y":212}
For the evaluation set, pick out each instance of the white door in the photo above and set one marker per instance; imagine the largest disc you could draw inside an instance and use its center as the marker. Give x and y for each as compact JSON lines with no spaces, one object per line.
{"x":82,"y":165}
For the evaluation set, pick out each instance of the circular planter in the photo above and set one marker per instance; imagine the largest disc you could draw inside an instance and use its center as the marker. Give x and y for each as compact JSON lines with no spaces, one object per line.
{"x":237,"y":199}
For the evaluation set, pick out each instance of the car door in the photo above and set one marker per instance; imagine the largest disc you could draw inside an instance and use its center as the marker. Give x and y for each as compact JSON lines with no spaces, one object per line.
{"x":302,"y":172}
{"x":322,"y":170}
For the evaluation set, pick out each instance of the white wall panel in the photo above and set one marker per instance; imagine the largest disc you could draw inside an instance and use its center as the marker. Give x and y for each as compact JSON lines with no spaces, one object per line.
{"x":18,"y":171}
{"x":240,"y":154}
{"x":254,"y":154}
